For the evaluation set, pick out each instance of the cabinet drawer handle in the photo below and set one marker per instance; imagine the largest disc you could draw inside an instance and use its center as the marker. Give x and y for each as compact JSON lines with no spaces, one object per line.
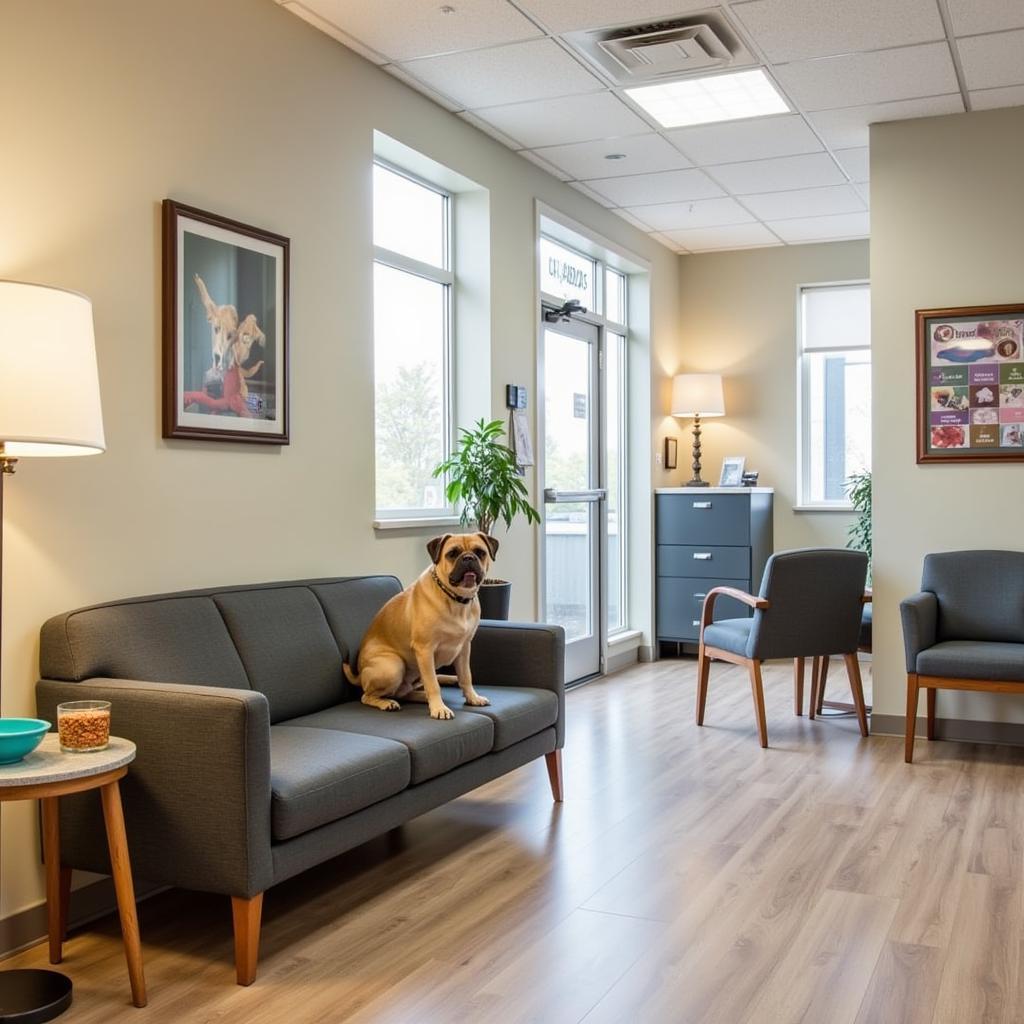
{"x":702,"y":504}
{"x":702,"y":556}
{"x":696,"y":622}
{"x":700,"y":597}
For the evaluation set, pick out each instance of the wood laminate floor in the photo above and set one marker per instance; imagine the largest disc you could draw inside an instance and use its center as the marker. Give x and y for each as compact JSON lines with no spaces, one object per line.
{"x":689,"y":877}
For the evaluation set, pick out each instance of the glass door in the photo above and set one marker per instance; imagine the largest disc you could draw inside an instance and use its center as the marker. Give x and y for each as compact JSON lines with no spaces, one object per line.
{"x":574,"y":502}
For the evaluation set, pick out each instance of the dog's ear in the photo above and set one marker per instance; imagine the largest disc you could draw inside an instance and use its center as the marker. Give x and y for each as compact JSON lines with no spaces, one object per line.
{"x":436,"y":546}
{"x":492,"y":544}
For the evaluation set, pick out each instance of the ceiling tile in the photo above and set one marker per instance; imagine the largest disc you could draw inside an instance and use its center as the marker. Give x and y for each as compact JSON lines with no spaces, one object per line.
{"x":848,"y":128}
{"x":805,"y":202}
{"x":591,"y":194}
{"x":797,"y":29}
{"x":733,"y":141}
{"x":855,"y":162}
{"x":534,"y":70}
{"x":703,"y":213}
{"x":819,"y":229}
{"x":403,"y":29}
{"x":664,"y":187}
{"x":859,"y":78}
{"x":544,"y":165}
{"x":646,"y":153}
{"x":989,"y":99}
{"x":734,"y":236}
{"x":568,"y":119}
{"x":489,"y":129}
{"x":414,"y":83}
{"x":570,"y":15}
{"x":972,"y":17}
{"x":779,"y":174}
{"x":992,"y":61}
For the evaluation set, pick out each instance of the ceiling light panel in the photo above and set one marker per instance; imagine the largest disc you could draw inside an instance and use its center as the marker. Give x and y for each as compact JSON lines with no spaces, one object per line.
{"x":726,"y":97}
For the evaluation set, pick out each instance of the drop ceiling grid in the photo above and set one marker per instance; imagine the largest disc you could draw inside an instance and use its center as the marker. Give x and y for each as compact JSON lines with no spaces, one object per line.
{"x":820,"y":49}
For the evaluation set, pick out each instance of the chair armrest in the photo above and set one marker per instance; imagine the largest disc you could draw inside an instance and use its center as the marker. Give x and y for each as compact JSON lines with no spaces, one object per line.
{"x":197,"y":796}
{"x":707,"y":614}
{"x":522,"y":654}
{"x":868,"y":597}
{"x":920,"y":615}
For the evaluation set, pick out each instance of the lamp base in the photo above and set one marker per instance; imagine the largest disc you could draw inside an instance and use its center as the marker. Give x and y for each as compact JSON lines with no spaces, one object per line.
{"x":32,"y":997}
{"x":697,"y":483}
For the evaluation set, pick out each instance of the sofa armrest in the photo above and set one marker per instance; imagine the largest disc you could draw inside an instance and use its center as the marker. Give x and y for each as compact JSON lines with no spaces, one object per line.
{"x":920,"y":615}
{"x":522,"y":654}
{"x":197,"y":796}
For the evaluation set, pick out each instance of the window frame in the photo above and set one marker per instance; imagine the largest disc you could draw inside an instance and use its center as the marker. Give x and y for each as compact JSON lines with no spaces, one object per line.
{"x":803,"y":363}
{"x":445,"y":276}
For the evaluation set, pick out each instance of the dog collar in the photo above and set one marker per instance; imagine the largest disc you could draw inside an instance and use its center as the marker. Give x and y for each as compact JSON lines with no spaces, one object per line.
{"x":447,"y":590}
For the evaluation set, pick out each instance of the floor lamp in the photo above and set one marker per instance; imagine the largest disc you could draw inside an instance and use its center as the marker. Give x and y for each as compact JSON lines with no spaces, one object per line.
{"x":49,"y":405}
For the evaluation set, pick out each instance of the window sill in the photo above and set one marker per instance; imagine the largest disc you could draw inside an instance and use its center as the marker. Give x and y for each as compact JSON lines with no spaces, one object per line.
{"x":624,"y":640}
{"x":416,"y":522}
{"x":845,"y":509}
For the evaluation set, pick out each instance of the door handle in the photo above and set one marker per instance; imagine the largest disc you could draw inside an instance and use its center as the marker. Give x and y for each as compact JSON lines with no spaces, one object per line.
{"x":553,"y":496}
{"x":702,"y":556}
{"x":696,"y":622}
{"x":702,"y":504}
{"x":700,"y":597}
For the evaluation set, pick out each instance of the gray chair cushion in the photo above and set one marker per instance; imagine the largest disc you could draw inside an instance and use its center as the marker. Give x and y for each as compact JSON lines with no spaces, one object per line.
{"x":980,"y":594}
{"x":435,"y":747}
{"x":516,"y":711}
{"x":730,"y":635}
{"x":288,"y":650}
{"x":320,"y":775}
{"x":966,"y":659}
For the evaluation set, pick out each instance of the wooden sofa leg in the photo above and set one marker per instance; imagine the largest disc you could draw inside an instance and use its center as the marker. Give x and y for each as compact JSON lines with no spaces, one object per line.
{"x":912,"y":693}
{"x":246,"y":915}
{"x":554,"y":763}
{"x":930,"y":699}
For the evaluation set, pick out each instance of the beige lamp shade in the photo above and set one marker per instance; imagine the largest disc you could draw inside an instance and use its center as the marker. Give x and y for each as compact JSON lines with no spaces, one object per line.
{"x":697,"y":394}
{"x":49,"y":385}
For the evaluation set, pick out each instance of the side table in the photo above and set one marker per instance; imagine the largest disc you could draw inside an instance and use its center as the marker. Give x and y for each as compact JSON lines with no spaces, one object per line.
{"x":46,"y":775}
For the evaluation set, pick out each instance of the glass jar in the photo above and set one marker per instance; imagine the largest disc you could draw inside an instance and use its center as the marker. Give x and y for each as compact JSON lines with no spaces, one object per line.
{"x":83,"y":726}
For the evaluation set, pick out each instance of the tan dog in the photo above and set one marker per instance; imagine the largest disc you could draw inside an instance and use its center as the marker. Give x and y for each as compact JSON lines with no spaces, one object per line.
{"x":430,"y":623}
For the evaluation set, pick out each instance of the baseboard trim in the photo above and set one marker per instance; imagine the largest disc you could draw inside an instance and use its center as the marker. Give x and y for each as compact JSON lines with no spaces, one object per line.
{"x":89,"y":903}
{"x":963,"y":730}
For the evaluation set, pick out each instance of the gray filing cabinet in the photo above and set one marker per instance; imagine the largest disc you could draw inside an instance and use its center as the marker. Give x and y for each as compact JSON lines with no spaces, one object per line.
{"x":707,"y":537}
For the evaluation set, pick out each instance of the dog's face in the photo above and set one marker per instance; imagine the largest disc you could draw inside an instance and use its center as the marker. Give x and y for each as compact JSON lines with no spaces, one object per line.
{"x":462,"y":559}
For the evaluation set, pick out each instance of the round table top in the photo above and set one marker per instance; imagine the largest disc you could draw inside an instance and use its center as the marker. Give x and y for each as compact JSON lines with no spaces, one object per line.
{"x":48,"y":763}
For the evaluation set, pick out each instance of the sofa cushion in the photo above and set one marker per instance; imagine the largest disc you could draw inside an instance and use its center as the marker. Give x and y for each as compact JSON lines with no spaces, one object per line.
{"x":320,"y":775}
{"x":288,"y":650}
{"x":980,"y":594}
{"x":967,"y":659}
{"x":729,"y":634}
{"x":516,"y":711}
{"x":435,"y":746}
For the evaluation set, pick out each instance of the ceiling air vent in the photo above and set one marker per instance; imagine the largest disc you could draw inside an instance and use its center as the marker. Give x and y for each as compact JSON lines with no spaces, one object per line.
{"x":697,"y":44}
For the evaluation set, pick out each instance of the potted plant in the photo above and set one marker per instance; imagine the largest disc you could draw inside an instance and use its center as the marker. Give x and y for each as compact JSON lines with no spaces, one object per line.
{"x":858,"y":488}
{"x":483,"y":476}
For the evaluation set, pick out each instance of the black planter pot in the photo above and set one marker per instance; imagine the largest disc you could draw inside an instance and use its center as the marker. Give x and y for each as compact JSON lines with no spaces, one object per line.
{"x":495,"y":596}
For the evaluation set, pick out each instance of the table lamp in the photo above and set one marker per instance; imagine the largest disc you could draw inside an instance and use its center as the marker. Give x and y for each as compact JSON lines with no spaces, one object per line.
{"x":49,"y":405}
{"x":696,"y":395}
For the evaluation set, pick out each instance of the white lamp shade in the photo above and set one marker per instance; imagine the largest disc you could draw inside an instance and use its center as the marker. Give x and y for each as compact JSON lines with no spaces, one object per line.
{"x":49,"y":385}
{"x":697,"y":393}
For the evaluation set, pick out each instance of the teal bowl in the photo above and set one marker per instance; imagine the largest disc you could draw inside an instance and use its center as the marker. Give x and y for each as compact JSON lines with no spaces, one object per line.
{"x":20,"y":736}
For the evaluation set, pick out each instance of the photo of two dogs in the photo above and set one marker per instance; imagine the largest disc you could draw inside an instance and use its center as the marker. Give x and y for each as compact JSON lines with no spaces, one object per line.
{"x":428,"y":625}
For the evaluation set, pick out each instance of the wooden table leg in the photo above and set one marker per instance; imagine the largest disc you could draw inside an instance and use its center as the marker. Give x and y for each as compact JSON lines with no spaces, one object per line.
{"x":51,"y":859}
{"x":117,"y":841}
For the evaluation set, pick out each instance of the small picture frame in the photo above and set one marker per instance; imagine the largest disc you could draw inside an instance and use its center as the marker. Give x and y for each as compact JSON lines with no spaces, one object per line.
{"x":732,"y":471}
{"x":671,"y":452}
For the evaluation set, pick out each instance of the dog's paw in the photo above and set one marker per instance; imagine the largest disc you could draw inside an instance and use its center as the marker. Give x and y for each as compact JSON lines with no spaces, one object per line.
{"x":476,"y":701}
{"x":443,"y":712}
{"x":392,"y":705}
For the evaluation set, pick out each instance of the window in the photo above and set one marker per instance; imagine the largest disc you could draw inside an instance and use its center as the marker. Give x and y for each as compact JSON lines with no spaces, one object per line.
{"x":412,"y":303}
{"x":835,"y":390}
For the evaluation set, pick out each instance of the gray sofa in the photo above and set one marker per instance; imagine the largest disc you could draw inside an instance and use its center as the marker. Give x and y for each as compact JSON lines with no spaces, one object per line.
{"x":256,"y":760}
{"x":964,"y":630}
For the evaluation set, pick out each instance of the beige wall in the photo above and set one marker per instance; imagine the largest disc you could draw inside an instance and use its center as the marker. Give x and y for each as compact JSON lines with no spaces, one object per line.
{"x":946,"y":221}
{"x":241,"y":108}
{"x":737,"y":313}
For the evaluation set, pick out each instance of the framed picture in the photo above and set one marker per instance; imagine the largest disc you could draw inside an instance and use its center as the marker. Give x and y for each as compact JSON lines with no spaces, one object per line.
{"x":225,"y":329}
{"x":671,"y":452}
{"x":732,"y":471}
{"x":970,"y":384}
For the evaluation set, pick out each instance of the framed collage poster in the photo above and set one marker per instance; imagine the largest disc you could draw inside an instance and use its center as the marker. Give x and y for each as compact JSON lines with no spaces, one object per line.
{"x":225,"y":329}
{"x":970,"y":384}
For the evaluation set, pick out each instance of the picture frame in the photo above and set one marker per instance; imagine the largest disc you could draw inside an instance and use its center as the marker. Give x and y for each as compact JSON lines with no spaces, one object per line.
{"x":671,"y":452}
{"x":732,"y":471}
{"x":970,"y":384}
{"x":225,"y":329}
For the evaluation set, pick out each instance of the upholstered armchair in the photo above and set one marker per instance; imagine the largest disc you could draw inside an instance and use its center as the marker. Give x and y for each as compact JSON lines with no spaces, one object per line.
{"x":809,"y":605}
{"x":964,"y":630}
